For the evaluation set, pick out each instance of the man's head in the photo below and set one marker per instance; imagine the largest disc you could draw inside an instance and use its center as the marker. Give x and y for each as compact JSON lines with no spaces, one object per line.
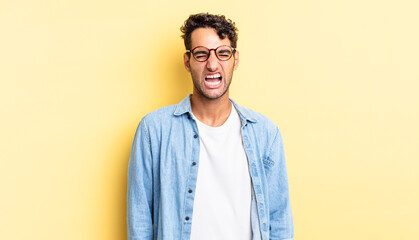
{"x":211,"y":57}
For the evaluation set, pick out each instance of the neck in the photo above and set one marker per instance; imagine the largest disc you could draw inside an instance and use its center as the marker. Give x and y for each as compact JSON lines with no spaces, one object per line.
{"x":211,"y":112}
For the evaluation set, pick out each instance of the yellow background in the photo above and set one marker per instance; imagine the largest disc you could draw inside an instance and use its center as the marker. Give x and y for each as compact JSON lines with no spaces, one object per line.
{"x":340,"y":79}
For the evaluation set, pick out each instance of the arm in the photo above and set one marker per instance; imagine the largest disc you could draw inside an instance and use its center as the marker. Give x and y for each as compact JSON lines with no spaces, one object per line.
{"x":140,"y":191}
{"x":281,"y":221}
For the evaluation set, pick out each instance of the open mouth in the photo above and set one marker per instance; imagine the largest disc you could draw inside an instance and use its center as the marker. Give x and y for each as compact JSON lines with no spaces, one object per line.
{"x":213,"y":81}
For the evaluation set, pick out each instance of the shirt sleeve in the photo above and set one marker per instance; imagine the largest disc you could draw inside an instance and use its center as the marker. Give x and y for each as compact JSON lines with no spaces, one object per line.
{"x":139,"y":190}
{"x":281,"y":221}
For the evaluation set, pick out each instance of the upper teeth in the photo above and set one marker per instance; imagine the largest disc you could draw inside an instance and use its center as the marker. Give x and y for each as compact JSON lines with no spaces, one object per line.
{"x":214,"y":76}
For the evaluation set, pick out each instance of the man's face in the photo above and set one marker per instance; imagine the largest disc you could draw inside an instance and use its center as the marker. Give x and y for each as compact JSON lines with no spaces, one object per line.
{"x":211,"y":78}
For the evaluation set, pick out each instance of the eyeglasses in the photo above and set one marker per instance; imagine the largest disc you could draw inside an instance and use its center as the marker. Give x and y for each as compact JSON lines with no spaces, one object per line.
{"x":201,"y":54}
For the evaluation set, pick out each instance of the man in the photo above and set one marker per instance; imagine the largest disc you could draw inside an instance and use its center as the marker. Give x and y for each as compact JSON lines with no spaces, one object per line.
{"x":207,"y":168}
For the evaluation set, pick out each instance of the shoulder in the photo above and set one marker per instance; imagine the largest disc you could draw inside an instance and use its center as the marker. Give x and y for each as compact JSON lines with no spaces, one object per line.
{"x":263,"y":120}
{"x":259,"y":127}
{"x":168,"y":113}
{"x":158,"y":117}
{"x":256,"y":119}
{"x":266,"y":127}
{"x":163,"y":112}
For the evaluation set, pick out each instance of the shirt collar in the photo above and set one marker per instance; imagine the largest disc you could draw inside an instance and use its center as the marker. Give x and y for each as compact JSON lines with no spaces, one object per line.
{"x":185,"y":107}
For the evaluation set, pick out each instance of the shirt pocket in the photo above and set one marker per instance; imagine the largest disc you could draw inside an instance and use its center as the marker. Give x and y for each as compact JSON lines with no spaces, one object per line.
{"x":268,"y":164}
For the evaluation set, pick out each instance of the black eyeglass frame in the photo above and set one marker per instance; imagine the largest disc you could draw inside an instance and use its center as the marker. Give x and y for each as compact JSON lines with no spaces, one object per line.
{"x":233,"y":51}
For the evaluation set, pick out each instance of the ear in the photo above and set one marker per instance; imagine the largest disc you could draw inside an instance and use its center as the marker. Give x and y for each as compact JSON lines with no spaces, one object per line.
{"x":186,"y":62}
{"x":236,"y":59}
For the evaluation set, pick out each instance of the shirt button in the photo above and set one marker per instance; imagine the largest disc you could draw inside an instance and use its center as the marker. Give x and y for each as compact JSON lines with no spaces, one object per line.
{"x":195,"y":136}
{"x":194,"y":163}
{"x":186,"y":218}
{"x":190,"y":191}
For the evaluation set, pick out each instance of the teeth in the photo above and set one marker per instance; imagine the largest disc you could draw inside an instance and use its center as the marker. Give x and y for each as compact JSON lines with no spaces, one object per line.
{"x":214,"y":76}
{"x":213,"y":83}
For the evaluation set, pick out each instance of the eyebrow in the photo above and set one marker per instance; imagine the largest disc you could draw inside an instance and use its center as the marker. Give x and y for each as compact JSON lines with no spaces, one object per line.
{"x":201,"y":52}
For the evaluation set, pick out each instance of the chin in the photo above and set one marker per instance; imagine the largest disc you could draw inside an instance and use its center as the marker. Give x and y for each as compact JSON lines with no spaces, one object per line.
{"x":215,"y":96}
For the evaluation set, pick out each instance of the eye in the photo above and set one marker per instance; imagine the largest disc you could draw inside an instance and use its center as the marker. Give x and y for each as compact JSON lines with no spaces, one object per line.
{"x":224,"y":53}
{"x":200,"y":55}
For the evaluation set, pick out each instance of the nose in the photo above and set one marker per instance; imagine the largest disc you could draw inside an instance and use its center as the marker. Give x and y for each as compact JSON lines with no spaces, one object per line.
{"x":212,"y":61}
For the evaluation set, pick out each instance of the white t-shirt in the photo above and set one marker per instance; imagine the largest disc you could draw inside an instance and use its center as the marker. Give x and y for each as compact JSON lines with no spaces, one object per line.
{"x":223,"y":189}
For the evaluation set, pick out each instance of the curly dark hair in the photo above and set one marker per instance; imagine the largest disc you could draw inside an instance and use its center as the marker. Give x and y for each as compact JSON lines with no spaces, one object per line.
{"x":224,"y":27}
